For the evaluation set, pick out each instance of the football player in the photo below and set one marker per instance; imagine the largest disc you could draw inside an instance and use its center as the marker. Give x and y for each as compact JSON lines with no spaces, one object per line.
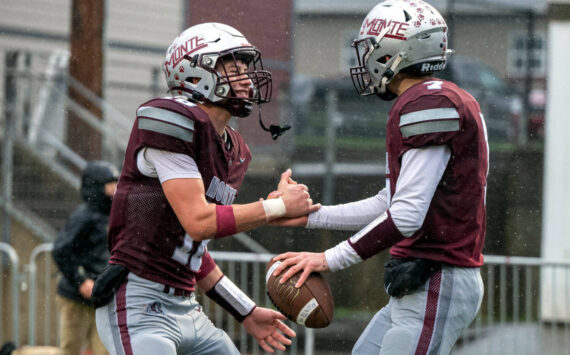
{"x":182,"y":170}
{"x":432,"y":211}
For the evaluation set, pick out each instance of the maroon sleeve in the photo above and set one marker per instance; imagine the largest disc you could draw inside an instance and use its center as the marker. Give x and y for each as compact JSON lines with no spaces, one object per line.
{"x":429,"y":120}
{"x":376,"y":237}
{"x":208,"y":264}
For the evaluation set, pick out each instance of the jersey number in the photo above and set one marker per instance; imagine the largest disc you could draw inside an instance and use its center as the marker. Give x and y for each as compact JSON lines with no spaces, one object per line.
{"x":434,"y":85}
{"x":190,"y":253}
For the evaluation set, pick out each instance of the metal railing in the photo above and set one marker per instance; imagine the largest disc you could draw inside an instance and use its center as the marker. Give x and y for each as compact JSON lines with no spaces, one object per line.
{"x":512,"y":316}
{"x":33,"y":299}
{"x":518,"y":315}
{"x":247,"y":270}
{"x":14,"y":291}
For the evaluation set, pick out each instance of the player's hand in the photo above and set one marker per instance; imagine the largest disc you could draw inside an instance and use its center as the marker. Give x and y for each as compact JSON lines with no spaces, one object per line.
{"x":296,"y":197}
{"x":286,"y":179}
{"x":86,"y":288}
{"x":266,"y":326}
{"x":300,"y":261}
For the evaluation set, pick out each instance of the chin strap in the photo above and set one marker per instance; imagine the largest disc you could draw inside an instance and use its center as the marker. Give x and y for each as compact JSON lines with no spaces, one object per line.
{"x":275,"y":131}
{"x":389,"y":73}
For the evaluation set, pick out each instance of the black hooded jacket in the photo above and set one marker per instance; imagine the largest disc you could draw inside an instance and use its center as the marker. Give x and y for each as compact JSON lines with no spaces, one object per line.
{"x":80,"y":250}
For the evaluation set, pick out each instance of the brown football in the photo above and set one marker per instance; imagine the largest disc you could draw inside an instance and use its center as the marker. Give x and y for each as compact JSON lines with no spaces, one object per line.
{"x":311,"y":305}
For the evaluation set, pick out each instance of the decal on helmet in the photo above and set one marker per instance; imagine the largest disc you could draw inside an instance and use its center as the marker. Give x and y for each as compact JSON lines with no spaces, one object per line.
{"x":181,"y":51}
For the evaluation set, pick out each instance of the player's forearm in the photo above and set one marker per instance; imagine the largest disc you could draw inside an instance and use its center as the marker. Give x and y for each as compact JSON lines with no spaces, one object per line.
{"x":351,"y":216}
{"x":219,"y":221}
{"x":377,"y":236}
{"x":249,"y":216}
{"x":206,"y":283}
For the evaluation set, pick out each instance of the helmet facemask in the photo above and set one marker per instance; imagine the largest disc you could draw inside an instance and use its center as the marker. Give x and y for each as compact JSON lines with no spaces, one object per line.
{"x":231,"y":76}
{"x":224,"y":69}
{"x":384,"y":68}
{"x":361,"y":79}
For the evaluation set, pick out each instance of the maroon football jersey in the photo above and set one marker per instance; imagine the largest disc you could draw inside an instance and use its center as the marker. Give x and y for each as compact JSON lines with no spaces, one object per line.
{"x":437,"y":112}
{"x":145,"y":236}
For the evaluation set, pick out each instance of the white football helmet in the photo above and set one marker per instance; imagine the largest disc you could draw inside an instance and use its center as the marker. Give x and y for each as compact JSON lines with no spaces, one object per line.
{"x":190,"y":65}
{"x":408,"y":36}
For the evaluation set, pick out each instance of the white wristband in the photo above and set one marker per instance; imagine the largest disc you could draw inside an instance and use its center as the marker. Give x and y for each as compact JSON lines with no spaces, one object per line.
{"x":274,"y":208}
{"x":234,"y":296}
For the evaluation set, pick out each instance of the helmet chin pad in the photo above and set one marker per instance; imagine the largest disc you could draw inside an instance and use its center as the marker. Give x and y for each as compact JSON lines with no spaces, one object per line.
{"x":236,"y":107}
{"x":384,"y":93}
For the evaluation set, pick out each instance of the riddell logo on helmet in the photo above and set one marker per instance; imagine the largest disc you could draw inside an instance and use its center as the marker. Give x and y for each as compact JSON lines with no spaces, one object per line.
{"x":429,"y":67}
{"x":188,"y":47}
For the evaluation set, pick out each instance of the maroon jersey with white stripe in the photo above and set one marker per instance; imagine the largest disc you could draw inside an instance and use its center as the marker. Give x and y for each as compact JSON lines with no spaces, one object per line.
{"x":437,"y":112}
{"x":145,"y":236}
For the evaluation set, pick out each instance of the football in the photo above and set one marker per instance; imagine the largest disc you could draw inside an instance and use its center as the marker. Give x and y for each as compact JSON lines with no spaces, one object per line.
{"x":311,"y":305}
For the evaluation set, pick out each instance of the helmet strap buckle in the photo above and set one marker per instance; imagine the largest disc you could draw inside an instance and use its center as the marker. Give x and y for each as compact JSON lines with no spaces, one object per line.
{"x":275,"y":130}
{"x":196,"y":96}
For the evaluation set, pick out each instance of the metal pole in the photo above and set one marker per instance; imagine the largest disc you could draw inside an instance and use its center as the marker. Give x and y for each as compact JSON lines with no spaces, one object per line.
{"x":42,"y":248}
{"x":523,"y":124}
{"x":108,"y":150}
{"x":155,"y":81}
{"x":11,"y":61}
{"x":309,"y":341}
{"x":15,"y":287}
{"x":330,"y":146}
{"x":450,"y":23}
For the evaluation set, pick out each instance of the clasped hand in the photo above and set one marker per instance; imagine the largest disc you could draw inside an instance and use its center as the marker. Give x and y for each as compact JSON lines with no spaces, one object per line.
{"x":303,"y":262}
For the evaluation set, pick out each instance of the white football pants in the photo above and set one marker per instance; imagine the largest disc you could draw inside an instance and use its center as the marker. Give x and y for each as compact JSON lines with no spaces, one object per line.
{"x":428,"y":321}
{"x":142,"y":319}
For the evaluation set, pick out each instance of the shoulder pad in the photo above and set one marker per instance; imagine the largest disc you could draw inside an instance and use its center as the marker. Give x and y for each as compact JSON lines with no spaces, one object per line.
{"x":428,"y":114}
{"x":432,"y":120}
{"x":166,"y":120}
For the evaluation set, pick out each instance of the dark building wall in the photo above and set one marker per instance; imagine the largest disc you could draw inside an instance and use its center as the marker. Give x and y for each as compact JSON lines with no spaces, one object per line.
{"x":267,"y":25}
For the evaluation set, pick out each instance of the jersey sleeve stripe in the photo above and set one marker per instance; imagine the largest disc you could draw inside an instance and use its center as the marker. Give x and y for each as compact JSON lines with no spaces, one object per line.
{"x":166,"y":116}
{"x":430,"y":127}
{"x":428,"y":115}
{"x":166,"y":128}
{"x":381,"y":234}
